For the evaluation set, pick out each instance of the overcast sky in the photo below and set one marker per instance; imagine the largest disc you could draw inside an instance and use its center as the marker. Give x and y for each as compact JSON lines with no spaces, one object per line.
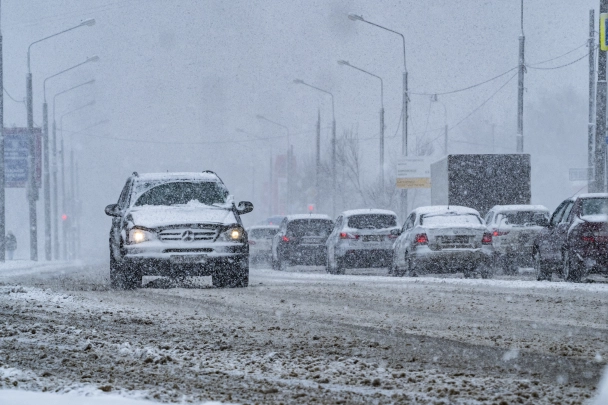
{"x":176,"y":76}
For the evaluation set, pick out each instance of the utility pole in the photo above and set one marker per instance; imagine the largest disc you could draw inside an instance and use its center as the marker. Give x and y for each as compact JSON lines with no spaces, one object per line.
{"x":520,"y":86}
{"x":318,"y":158}
{"x":590,"y":125}
{"x":2,"y":184}
{"x":445,"y":139}
{"x":55,"y":201}
{"x":47,"y":181}
{"x":600,"y":115}
{"x":72,"y":208}
{"x":64,"y":221}
{"x":32,"y":189}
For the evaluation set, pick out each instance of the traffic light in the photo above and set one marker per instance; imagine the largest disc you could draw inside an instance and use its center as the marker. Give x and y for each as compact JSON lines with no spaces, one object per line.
{"x":64,"y":217}
{"x":311,"y":207}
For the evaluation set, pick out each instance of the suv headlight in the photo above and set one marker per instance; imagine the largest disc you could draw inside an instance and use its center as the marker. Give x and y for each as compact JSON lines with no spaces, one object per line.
{"x":232,"y":234}
{"x":138,"y":235}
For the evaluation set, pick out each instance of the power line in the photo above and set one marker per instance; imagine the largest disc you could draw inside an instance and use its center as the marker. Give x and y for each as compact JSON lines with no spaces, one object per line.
{"x":13,"y":98}
{"x":560,"y":56}
{"x":465,"y":88}
{"x":564,"y":65}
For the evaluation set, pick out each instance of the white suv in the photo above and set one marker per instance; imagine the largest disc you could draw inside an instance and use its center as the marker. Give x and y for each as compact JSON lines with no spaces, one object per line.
{"x":177,"y":225}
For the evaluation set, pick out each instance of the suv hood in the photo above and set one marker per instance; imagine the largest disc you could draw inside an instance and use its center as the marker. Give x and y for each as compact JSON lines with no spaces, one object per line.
{"x":159,"y":216}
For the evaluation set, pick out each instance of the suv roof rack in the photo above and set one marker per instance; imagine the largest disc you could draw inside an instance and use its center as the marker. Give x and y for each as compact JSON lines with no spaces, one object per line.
{"x":213,"y":173}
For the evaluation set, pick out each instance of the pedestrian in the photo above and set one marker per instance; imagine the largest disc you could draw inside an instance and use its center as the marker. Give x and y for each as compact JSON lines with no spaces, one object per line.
{"x":11,"y":244}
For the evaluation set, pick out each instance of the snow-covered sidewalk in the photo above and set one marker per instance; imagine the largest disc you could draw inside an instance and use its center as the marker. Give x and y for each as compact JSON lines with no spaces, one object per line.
{"x":12,"y":268}
{"x":17,"y":397}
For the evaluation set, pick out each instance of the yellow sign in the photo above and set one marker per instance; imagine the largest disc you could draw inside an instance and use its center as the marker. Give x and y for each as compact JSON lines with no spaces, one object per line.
{"x":421,"y":182}
{"x":603,"y":32}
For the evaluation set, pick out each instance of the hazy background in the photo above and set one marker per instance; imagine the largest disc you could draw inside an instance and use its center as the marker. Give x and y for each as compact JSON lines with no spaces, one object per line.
{"x":177,"y":77}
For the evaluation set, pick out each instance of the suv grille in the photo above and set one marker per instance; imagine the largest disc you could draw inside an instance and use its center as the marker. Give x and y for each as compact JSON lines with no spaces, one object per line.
{"x":187,"y":235}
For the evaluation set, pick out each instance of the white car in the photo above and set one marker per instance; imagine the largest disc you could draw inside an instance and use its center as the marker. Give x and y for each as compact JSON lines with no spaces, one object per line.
{"x":440,"y":239}
{"x":361,"y":238}
{"x":514,"y":229}
{"x":260,"y":242}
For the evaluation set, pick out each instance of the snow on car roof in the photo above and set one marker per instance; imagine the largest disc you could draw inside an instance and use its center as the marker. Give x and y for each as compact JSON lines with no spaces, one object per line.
{"x":519,"y":207}
{"x":368,"y":211}
{"x":307,"y":216}
{"x":593,"y":195}
{"x":178,"y":176}
{"x":444,"y":209}
{"x":263,"y":227}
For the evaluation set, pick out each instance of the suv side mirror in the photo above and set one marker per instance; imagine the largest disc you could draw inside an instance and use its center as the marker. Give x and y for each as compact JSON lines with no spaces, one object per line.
{"x":244,"y":207}
{"x":395,"y":232}
{"x":112,"y":210}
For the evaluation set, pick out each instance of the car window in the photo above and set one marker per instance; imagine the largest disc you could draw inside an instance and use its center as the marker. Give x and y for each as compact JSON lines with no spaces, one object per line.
{"x":372,"y":221}
{"x":123,"y":200}
{"x":595,"y":206}
{"x":489,"y":217}
{"x":450,"y":219}
{"x":262,"y":233}
{"x":557,"y":215}
{"x":409,"y":222}
{"x":182,"y":193}
{"x":309,"y":227}
{"x":564,"y":217}
{"x":520,"y":218}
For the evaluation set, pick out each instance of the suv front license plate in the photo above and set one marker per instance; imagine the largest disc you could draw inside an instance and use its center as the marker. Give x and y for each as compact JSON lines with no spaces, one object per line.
{"x":186,"y":259}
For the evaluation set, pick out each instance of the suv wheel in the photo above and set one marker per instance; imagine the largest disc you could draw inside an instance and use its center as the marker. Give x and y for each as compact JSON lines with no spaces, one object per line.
{"x":236,"y":276}
{"x":283,"y":264}
{"x":123,"y":277}
{"x":572,"y":268}
{"x":541,"y":268}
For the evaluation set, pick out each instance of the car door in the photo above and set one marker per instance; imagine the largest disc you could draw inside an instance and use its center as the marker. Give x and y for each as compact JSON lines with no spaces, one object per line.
{"x":549,"y":239}
{"x":276,"y":240}
{"x":117,"y":222}
{"x":405,"y":237}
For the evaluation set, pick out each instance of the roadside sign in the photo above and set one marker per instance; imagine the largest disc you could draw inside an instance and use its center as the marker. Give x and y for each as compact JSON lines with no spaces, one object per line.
{"x":603,"y":31}
{"x":414,"y":172}
{"x":16,"y":153}
{"x":580,"y":174}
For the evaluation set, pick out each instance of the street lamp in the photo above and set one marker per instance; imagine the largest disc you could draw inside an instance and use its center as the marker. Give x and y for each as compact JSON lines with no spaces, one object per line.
{"x":54,"y":182}
{"x":288,"y":199}
{"x":270,"y":208}
{"x":333,"y":142}
{"x":346,"y":63}
{"x":45,"y":148}
{"x":63,"y":195}
{"x":434,"y":99}
{"x":32,"y":189}
{"x":355,"y":17}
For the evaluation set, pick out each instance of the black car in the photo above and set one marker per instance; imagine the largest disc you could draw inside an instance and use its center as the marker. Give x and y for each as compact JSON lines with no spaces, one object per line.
{"x":301,"y":241}
{"x":177,"y":225}
{"x":575,"y":240}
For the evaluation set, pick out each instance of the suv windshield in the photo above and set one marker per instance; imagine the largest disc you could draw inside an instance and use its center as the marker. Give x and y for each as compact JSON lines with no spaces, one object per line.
{"x":450,"y":219}
{"x":521,"y":217}
{"x":372,"y":221}
{"x":595,"y":206}
{"x":266,"y":233}
{"x":179,"y":193}
{"x":309,"y":227}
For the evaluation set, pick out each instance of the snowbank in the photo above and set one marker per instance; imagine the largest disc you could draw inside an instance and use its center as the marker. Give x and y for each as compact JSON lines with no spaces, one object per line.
{"x":602,"y":390}
{"x":12,"y":268}
{"x":15,"y":397}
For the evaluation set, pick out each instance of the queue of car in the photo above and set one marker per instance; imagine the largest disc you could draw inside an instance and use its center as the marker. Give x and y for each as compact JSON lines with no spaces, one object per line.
{"x":572,"y":242}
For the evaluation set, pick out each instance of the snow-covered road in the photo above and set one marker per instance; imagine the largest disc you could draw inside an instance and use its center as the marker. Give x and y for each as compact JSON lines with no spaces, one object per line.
{"x":305,"y":336}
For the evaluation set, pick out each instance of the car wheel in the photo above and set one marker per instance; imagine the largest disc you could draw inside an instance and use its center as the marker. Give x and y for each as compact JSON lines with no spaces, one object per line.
{"x":123,"y":277}
{"x":410,"y":269}
{"x":283,"y":264}
{"x":236,"y":276}
{"x":541,"y":268}
{"x":485,"y":270}
{"x":340,"y":266}
{"x":572,"y":268}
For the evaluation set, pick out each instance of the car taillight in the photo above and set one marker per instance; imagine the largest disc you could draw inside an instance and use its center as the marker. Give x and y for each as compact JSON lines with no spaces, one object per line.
{"x":285,"y":239}
{"x":498,"y":232}
{"x":422,"y":239}
{"x":487,"y":238}
{"x":588,"y":237}
{"x":345,"y":235}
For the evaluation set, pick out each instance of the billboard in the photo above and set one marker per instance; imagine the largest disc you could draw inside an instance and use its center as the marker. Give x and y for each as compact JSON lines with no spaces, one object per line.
{"x":16,"y":153}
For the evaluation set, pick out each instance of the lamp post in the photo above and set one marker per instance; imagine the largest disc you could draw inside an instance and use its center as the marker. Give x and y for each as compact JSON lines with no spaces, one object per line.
{"x":346,"y":63}
{"x":32,"y":193}
{"x":333,"y":141}
{"x":270,"y":208}
{"x":54,"y":169}
{"x":63,"y":194}
{"x":404,"y":119}
{"x":434,"y":99}
{"x":45,"y":149}
{"x":288,"y":199}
